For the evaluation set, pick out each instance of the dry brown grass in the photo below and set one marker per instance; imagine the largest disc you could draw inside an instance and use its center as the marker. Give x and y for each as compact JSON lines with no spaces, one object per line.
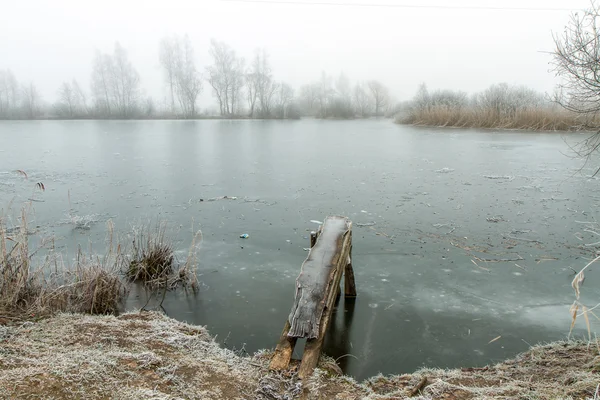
{"x":36,"y":282}
{"x":542,"y":119}
{"x":151,"y":260}
{"x":586,"y":312}
{"x":18,"y":286}
{"x":152,"y":256}
{"x":92,"y":285}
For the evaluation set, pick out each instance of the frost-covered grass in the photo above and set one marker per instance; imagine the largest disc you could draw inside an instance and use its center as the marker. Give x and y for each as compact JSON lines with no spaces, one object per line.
{"x":539,"y":119}
{"x":135,"y":356}
{"x":148,"y":355}
{"x":152,"y":256}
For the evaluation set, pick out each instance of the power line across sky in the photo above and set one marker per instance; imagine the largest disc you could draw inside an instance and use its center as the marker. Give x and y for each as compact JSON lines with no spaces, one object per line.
{"x":392,"y":5}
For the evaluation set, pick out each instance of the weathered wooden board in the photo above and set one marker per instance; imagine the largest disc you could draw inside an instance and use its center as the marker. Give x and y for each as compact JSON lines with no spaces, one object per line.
{"x":283,"y":352}
{"x":312,"y":350}
{"x":326,"y":261}
{"x":317,"y":289}
{"x":349,"y":283}
{"x":313,"y":239}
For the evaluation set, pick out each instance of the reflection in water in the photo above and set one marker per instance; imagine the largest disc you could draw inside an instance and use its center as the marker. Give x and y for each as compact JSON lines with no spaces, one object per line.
{"x":407,"y":337}
{"x":338,"y":340}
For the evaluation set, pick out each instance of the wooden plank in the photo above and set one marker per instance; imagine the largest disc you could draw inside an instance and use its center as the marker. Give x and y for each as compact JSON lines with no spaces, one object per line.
{"x":325,"y":261}
{"x":313,"y":239}
{"x":312,"y":350}
{"x":349,"y":283}
{"x":284,"y":350}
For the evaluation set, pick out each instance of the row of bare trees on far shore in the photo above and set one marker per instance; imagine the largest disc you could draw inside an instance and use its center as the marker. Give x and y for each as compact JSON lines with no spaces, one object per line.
{"x":337,"y":98}
{"x":18,"y":100}
{"x":241,"y":89}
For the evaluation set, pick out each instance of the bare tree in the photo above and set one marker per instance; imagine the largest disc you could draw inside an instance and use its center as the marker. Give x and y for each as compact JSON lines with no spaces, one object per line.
{"x":285,"y":95}
{"x":72,"y":102}
{"x":502,"y":100}
{"x":326,"y":93}
{"x":340,"y":104}
{"x":115,"y":84}
{"x":66,"y":106}
{"x":220,"y":73}
{"x":149,"y":107}
{"x":168,"y":53}
{"x":343,"y":90}
{"x":189,"y":82}
{"x":177,"y":58}
{"x":31,"y":101}
{"x":266,"y":87}
{"x":125,"y":83}
{"x":576,"y":59}
{"x":9,"y":94}
{"x":101,"y":87}
{"x":226,"y":76}
{"x":362,"y":101}
{"x":238,"y":81}
{"x":309,"y":98}
{"x":253,"y":80}
{"x":80,"y":97}
{"x":380,"y":96}
{"x":450,"y":99}
{"x":421,"y":100}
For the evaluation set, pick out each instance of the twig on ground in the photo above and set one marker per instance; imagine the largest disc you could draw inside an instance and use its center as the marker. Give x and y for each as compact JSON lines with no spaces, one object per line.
{"x":418,"y":387}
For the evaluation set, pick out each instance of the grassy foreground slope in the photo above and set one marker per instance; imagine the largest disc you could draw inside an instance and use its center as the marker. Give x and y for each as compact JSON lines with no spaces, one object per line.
{"x":150,"y":356}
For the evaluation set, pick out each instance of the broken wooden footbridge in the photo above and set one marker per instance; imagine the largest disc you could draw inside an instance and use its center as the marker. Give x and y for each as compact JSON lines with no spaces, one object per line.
{"x":317,"y":289}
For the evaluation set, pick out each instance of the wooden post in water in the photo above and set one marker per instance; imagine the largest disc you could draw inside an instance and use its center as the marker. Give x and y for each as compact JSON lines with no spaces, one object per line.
{"x":317,"y":287}
{"x":284,"y":350}
{"x":313,"y":239}
{"x":349,"y":283}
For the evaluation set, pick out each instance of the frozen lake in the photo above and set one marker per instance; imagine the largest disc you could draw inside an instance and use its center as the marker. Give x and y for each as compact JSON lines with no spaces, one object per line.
{"x":460,"y":236}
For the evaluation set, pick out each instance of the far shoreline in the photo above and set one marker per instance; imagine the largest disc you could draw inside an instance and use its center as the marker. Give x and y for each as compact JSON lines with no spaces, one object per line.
{"x":501,"y":129}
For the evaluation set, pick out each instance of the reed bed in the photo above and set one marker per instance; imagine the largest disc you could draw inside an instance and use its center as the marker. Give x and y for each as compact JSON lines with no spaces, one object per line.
{"x":535,"y":119}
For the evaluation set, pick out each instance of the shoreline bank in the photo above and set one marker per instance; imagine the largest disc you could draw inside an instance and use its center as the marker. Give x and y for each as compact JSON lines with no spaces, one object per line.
{"x":149,"y":355}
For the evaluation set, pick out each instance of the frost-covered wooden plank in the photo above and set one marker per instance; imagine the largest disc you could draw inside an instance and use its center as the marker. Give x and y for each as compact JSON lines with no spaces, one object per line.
{"x":317,"y":288}
{"x":319,"y":279}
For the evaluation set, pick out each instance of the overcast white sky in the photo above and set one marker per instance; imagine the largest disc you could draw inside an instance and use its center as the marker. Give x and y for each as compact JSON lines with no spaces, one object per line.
{"x":48,"y":42}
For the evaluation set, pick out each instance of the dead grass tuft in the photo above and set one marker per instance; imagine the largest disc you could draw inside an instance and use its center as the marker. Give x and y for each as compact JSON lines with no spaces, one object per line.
{"x":98,"y":289}
{"x":93,"y":284}
{"x":152,"y":261}
{"x":577,"y":305}
{"x":152,"y":256}
{"x":17,"y":285}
